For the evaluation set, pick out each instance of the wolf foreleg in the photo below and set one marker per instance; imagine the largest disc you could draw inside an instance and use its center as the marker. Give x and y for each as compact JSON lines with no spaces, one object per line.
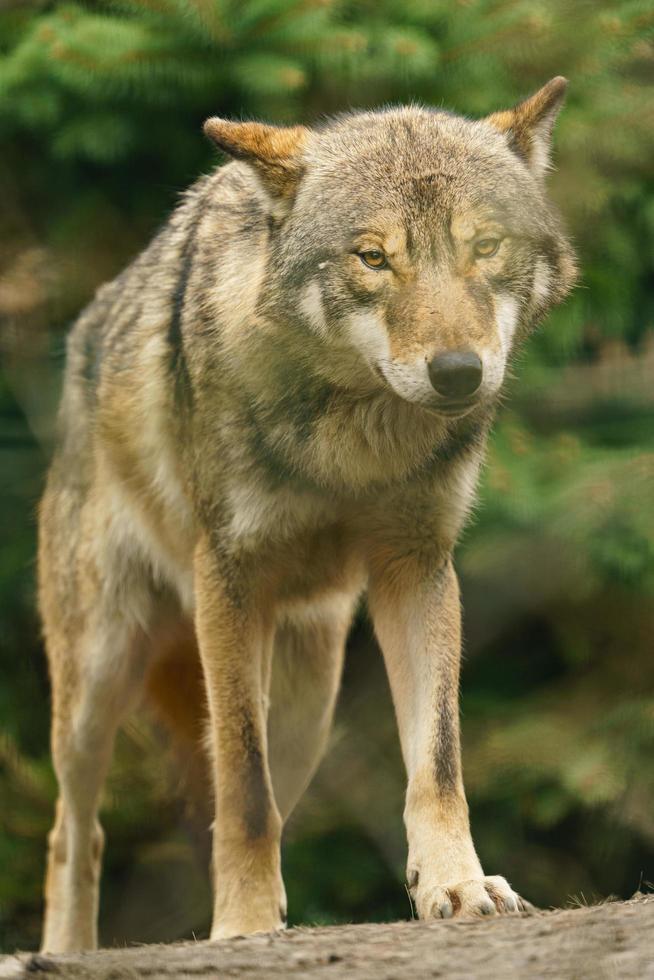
{"x":417,"y":620}
{"x":96,"y":677}
{"x":235,"y":644}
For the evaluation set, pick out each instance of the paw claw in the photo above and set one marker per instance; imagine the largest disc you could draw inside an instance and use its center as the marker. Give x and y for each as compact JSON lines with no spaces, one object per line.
{"x":476,"y":897}
{"x":441,"y":906}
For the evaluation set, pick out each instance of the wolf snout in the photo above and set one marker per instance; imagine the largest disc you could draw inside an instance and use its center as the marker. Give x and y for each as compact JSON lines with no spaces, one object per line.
{"x":456,"y":374}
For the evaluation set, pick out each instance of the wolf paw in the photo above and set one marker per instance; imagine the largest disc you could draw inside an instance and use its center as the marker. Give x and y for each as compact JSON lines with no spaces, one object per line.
{"x":479,"y":896}
{"x":258,"y":912}
{"x":245,"y":926}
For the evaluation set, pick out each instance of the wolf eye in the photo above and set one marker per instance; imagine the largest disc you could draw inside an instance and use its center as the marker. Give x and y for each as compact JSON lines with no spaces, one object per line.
{"x":373,"y":258}
{"x":486,"y":247}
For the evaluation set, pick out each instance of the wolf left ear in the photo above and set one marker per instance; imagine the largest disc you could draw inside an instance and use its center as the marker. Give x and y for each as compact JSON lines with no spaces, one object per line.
{"x":528,"y":126}
{"x":274,"y":152}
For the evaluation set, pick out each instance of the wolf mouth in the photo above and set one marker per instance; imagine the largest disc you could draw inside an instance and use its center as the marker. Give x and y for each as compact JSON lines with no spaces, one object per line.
{"x":456,"y":409}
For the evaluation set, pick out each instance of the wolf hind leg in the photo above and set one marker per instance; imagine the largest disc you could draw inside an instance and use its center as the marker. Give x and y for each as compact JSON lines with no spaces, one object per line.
{"x":306,"y":673}
{"x":94,"y":686}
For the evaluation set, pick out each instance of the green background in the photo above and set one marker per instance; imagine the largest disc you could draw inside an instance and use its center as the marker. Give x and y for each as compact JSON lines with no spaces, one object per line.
{"x":101,"y":106}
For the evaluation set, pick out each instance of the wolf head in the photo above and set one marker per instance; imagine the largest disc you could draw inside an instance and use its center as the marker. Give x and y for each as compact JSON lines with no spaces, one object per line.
{"x":416,"y":247}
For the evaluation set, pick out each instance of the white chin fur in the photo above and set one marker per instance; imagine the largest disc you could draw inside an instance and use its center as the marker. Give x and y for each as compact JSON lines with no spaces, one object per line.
{"x":311,"y":307}
{"x":409,"y":381}
{"x":368,"y":335}
{"x":542,"y":287}
{"x":506,"y":320}
{"x":507,"y":312}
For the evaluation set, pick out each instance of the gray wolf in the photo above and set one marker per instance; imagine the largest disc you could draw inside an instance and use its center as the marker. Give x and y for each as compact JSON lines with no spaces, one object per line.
{"x":281,"y":404}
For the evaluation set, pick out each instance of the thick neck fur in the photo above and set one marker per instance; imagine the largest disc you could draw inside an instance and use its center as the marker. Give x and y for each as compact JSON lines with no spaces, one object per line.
{"x":307,"y":428}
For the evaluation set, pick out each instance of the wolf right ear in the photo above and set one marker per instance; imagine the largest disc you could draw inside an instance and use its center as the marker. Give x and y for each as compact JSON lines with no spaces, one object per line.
{"x":529,"y":125}
{"x":274,"y":152}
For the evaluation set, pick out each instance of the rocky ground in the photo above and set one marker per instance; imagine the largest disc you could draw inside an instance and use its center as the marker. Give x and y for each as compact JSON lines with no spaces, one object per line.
{"x":613,"y":941}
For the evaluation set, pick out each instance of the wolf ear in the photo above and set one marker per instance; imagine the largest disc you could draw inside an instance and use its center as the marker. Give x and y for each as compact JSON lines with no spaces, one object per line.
{"x":275,"y":152}
{"x":529,"y":125}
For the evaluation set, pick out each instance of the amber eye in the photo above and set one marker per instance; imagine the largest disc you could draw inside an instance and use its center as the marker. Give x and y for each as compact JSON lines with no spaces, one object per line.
{"x":486,"y":247}
{"x":373,"y":258}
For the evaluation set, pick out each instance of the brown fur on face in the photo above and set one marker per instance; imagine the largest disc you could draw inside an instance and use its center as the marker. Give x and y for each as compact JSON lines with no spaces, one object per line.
{"x":248,"y":438}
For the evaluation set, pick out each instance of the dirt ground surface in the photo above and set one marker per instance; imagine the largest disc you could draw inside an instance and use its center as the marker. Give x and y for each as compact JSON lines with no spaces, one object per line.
{"x":615,"y":941}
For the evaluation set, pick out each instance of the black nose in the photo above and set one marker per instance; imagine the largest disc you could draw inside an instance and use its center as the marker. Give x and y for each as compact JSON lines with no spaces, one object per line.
{"x":456,"y":374}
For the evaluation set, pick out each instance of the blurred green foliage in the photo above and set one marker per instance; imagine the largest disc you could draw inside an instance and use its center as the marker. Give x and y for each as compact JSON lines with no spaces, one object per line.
{"x":100,"y":110}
